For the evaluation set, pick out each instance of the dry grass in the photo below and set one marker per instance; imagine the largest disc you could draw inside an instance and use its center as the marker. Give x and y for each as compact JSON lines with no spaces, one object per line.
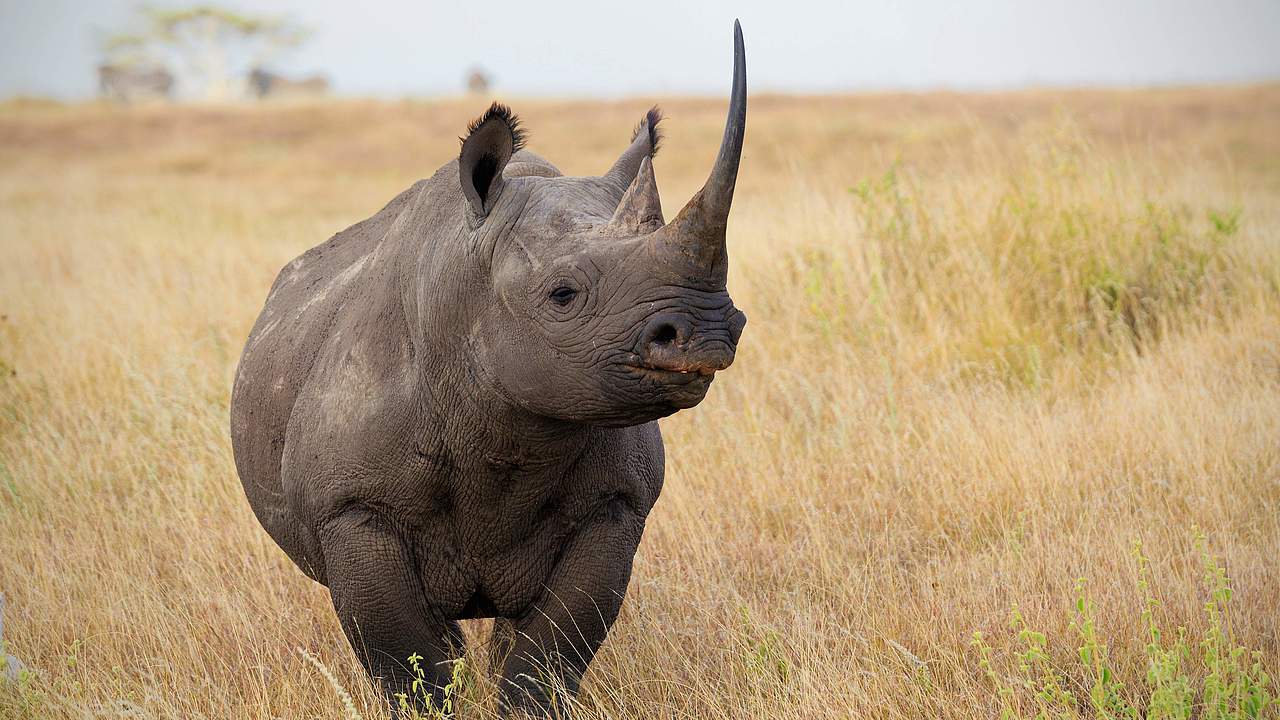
{"x":994,"y":340}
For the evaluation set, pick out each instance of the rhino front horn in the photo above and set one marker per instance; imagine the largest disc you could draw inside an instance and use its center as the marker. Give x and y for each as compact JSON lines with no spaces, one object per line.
{"x":699,"y":230}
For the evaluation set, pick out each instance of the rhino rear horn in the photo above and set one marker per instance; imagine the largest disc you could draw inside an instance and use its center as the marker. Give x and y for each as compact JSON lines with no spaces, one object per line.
{"x":490,"y":142}
{"x":699,"y":230}
{"x":640,"y":210}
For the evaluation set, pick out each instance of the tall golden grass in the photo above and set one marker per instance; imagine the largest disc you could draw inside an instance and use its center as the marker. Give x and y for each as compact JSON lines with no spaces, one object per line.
{"x":994,"y":341}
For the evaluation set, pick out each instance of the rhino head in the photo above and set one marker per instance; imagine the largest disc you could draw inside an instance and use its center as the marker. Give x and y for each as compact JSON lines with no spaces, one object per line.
{"x":599,"y":311}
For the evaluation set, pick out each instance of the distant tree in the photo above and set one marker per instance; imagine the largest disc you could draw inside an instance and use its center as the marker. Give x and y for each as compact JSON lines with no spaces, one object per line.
{"x":210,"y":50}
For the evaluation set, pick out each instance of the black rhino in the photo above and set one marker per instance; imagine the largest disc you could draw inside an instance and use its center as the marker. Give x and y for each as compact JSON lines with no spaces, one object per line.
{"x":447,"y":411}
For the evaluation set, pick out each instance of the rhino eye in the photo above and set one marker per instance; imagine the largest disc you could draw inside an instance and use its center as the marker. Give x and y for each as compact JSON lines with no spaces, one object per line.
{"x":563,"y":295}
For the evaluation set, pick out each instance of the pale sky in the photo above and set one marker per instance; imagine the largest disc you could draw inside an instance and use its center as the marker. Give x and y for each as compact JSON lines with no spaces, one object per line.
{"x":49,"y":48}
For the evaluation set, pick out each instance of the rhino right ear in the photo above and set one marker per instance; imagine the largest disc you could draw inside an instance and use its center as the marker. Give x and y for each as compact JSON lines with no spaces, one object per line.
{"x":490,"y":142}
{"x":644,"y":144}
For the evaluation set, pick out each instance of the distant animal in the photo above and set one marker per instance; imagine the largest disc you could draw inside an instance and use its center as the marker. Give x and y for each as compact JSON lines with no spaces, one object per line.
{"x":477,"y":81}
{"x":264,"y":84}
{"x":447,"y":411}
{"x":129,"y":84}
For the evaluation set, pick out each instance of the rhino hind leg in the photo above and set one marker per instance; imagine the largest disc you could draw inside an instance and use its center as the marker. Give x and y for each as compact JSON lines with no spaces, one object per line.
{"x":381,"y":606}
{"x":544,"y":653}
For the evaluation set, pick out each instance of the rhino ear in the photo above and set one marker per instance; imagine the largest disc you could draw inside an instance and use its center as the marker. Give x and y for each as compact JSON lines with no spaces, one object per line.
{"x":644,"y":144}
{"x":490,"y":142}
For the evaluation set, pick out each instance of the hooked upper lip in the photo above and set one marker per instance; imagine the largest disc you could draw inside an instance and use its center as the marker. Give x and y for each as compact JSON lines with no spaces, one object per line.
{"x":678,"y":361}
{"x":675,"y":360}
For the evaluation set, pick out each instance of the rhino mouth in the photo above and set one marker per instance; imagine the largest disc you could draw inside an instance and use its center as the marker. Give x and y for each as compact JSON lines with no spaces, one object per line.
{"x":681,"y":378}
{"x":679,"y":388}
{"x":690,"y":373}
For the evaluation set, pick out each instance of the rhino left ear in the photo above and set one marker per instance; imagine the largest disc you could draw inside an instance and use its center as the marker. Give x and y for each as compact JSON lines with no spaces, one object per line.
{"x":490,"y":142}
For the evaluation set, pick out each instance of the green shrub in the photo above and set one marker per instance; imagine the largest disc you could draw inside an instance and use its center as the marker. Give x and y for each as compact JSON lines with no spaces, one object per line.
{"x":1223,"y":681}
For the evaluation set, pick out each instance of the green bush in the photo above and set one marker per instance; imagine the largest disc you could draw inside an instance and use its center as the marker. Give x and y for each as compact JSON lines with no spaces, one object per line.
{"x":1222,"y":681}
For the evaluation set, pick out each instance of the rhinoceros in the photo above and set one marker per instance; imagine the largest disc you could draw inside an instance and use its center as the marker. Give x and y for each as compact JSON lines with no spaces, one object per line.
{"x":447,"y":411}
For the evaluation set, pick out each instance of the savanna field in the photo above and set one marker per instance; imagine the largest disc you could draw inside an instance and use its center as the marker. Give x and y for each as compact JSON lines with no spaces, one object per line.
{"x":1002,"y":439}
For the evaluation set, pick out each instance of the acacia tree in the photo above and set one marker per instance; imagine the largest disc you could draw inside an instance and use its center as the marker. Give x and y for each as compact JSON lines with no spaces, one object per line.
{"x":210,"y":50}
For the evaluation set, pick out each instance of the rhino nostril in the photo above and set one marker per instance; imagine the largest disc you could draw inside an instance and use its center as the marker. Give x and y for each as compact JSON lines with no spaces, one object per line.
{"x":665,"y":334}
{"x":666,"y":331}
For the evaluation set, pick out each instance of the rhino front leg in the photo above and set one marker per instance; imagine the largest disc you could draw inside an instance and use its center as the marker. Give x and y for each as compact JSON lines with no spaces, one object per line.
{"x":552,"y":643}
{"x":379,"y":599}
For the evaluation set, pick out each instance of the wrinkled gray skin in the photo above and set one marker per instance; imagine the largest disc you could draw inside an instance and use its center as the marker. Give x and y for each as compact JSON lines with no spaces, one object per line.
{"x":447,"y":411}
